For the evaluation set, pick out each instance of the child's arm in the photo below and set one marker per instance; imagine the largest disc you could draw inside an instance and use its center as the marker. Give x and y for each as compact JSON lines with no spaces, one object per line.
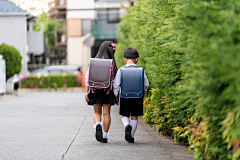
{"x":86,"y":93}
{"x":146,"y":83}
{"x":86,"y":86}
{"x":86,"y":77}
{"x":117,"y":83}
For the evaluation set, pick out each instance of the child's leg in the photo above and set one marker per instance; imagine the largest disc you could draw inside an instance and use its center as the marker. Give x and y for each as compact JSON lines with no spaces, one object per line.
{"x":134,"y":123}
{"x":107,"y":119}
{"x":97,"y":112}
{"x":125,"y":121}
{"x":128,"y":128}
{"x":97,"y":119}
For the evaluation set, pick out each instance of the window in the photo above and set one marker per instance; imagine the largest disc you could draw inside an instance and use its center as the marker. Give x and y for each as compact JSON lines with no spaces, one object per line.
{"x":113,"y":16}
{"x":86,"y":26}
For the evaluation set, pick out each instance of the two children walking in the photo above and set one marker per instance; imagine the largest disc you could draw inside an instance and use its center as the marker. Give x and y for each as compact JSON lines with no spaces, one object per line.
{"x":104,"y":98}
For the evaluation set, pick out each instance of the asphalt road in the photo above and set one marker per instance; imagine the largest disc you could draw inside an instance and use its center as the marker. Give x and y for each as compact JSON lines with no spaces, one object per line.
{"x":58,"y":125}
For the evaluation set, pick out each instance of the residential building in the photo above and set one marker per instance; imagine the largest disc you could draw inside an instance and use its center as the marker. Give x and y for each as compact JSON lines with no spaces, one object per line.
{"x":98,"y":17}
{"x":13,"y":29}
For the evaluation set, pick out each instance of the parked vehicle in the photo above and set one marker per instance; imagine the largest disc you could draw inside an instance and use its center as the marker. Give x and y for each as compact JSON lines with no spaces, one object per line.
{"x":12,"y":84}
{"x":57,"y":69}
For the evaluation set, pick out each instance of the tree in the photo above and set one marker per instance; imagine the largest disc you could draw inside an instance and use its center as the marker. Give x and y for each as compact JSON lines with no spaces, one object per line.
{"x":35,"y":7}
{"x":13,"y":59}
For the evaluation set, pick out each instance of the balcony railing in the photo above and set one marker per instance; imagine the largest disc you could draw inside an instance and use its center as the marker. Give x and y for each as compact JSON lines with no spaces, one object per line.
{"x":60,"y":2}
{"x":104,"y":27}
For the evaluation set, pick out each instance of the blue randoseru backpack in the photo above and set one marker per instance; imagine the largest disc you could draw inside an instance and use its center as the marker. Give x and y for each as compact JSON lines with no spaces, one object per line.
{"x":132,"y":82}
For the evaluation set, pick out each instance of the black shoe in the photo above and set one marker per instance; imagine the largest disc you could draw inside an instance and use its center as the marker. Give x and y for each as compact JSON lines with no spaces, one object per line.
{"x":128,"y":131}
{"x":131,"y":141}
{"x":104,"y":140}
{"x":98,"y":134}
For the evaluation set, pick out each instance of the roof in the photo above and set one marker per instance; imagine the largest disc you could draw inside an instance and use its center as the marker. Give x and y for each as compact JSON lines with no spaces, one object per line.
{"x":9,"y":8}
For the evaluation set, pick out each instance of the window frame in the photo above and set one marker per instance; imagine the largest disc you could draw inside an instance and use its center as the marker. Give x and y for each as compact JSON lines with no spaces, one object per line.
{"x":116,"y":21}
{"x":90,"y":29}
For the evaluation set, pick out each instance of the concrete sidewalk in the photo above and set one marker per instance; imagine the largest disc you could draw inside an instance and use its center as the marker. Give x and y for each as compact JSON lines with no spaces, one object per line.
{"x":58,"y":125}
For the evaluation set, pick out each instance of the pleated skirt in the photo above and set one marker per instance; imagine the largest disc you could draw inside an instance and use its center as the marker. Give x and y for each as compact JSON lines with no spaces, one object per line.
{"x":100,"y":97}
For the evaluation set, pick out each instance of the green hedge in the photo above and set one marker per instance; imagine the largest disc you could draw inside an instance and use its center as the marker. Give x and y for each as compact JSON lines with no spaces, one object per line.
{"x":213,"y":43}
{"x":189,"y":49}
{"x":150,"y":33}
{"x":13,"y":59}
{"x":51,"y":81}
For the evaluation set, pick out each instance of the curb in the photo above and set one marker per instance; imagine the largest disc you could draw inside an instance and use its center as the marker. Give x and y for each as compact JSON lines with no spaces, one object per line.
{"x":167,"y":142}
{"x":71,"y":89}
{"x":7,"y":96}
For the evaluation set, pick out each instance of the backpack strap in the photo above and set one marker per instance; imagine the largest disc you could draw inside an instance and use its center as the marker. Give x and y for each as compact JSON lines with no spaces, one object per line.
{"x":111,"y":79}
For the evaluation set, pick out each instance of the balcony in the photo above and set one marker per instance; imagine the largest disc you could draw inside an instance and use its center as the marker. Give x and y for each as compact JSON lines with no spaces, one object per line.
{"x":60,"y":36}
{"x":104,"y":26}
{"x":58,"y":9}
{"x":60,"y":4}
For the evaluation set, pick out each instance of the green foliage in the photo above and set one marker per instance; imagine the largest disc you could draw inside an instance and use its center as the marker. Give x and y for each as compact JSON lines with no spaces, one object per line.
{"x":51,"y":81}
{"x":189,"y":51}
{"x":13,"y":59}
{"x":212,"y":43}
{"x":49,"y":28}
{"x":147,"y":28}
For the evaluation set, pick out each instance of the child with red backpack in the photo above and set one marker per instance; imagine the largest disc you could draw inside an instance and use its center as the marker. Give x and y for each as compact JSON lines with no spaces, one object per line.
{"x":102,"y":98}
{"x":132,"y":82}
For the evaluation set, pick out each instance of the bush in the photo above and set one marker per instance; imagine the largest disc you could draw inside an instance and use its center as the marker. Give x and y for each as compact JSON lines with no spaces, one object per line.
{"x":13,"y":59}
{"x":213,"y":39}
{"x":150,"y":32}
{"x":51,"y":81}
{"x":189,"y":51}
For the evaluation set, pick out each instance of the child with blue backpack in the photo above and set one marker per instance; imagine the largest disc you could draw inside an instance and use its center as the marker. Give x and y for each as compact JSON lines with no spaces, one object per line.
{"x":130,"y":106}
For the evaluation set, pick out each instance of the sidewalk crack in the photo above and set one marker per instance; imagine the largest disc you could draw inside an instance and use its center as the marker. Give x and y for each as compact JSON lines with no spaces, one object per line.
{"x":63,"y":156}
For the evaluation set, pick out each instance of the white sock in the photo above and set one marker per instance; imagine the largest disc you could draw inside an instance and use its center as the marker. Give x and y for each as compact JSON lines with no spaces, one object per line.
{"x":134,"y":124}
{"x":105,"y":135}
{"x":125,"y":121}
{"x":95,"y":125}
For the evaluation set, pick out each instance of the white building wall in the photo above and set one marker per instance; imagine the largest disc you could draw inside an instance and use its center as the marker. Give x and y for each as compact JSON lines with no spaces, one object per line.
{"x":75,"y":52}
{"x":13,"y":31}
{"x":84,"y":14}
{"x":80,"y":4}
{"x":102,"y":4}
{"x":79,"y":9}
{"x":87,"y":55}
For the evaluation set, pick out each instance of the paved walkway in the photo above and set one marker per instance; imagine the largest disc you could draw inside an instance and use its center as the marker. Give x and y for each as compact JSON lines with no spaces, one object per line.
{"x":58,"y":125}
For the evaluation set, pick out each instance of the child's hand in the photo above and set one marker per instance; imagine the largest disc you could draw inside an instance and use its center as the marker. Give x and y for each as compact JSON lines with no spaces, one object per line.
{"x":86,"y":97}
{"x":117,"y":103}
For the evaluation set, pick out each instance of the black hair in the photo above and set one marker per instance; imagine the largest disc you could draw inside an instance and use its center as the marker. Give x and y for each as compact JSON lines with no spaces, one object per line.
{"x":131,"y":53}
{"x":106,"y":51}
